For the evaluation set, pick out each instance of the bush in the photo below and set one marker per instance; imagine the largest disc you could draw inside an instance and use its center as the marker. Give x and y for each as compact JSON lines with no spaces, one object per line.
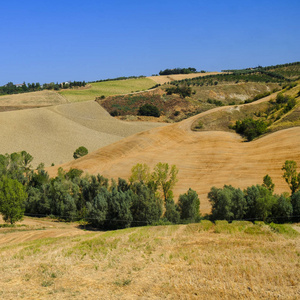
{"x":183,"y":91}
{"x":149,"y":110}
{"x":79,"y":152}
{"x":250,"y":128}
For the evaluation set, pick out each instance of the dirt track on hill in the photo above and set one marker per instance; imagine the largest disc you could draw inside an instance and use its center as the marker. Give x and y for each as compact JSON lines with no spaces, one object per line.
{"x":204,"y":159}
{"x":52,"y":134}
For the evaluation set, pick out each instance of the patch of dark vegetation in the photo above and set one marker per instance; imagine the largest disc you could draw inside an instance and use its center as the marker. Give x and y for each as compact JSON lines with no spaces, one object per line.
{"x":250,"y":128}
{"x":178,"y":71}
{"x":183,"y":91}
{"x":11,"y":88}
{"x":215,"y":102}
{"x":149,"y":110}
{"x":147,"y":198}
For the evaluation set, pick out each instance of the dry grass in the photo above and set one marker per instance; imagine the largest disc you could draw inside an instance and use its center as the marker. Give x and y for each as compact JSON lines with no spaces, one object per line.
{"x":197,"y":261}
{"x":168,"y":78}
{"x":29,"y":100}
{"x":51,"y":135}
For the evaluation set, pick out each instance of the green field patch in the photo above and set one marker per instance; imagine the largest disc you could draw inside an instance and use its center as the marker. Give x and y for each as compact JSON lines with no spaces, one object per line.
{"x":107,"y":88}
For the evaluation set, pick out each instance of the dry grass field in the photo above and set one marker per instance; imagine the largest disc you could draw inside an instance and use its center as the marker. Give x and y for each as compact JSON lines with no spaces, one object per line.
{"x":168,"y":78}
{"x":30,"y":100}
{"x":52,"y":134}
{"x":204,"y":159}
{"x":50,"y":260}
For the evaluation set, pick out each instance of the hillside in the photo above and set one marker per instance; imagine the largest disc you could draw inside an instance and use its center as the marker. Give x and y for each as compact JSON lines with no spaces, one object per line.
{"x":52,"y":134}
{"x":207,"y":261}
{"x":107,"y":88}
{"x":30,"y":100}
{"x":205,"y":159}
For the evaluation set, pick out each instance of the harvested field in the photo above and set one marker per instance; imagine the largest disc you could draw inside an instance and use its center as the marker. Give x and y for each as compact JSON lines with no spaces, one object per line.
{"x":204,"y":159}
{"x":167,"y":78}
{"x":51,"y":135}
{"x":196,"y":261}
{"x":30,"y":100}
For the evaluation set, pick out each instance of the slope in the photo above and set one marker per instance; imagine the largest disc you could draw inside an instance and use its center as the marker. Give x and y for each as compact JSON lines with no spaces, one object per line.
{"x":52,"y":134}
{"x":204,"y":159}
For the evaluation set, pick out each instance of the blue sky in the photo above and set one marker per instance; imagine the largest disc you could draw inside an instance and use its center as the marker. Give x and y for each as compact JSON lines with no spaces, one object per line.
{"x":45,"y":41}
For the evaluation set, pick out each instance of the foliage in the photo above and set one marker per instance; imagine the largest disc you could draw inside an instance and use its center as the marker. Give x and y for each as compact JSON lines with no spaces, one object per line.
{"x":11,"y":88}
{"x":12,"y":200}
{"x":227,"y":203}
{"x":146,"y":206}
{"x":172,"y":213}
{"x":140,"y":172}
{"x":291,"y":176}
{"x":149,"y":110}
{"x":295,"y":201}
{"x":250,"y":128}
{"x":165,"y":178}
{"x":268,"y":183}
{"x":79,"y":152}
{"x":189,"y":206}
{"x":183,"y":91}
{"x":178,"y":71}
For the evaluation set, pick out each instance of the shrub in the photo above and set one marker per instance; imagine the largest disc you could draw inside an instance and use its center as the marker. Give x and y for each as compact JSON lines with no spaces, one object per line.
{"x":149,"y":110}
{"x":79,"y":152}
{"x":250,"y":128}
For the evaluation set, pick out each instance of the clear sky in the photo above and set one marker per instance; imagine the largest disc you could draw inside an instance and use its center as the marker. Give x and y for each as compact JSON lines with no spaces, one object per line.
{"x":44,"y":41}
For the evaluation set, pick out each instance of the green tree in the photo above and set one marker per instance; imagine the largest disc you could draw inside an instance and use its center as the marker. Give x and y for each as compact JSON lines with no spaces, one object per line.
{"x":295,"y":200}
{"x":12,"y":200}
{"x":146,"y":206}
{"x":282,"y":210}
{"x":172,"y":213}
{"x":165,"y":177}
{"x":291,"y":176}
{"x":98,"y":208}
{"x":228,"y":203}
{"x":140,"y":173}
{"x":79,"y":152}
{"x":250,"y":128}
{"x":149,"y":110}
{"x":189,"y":206}
{"x":268,"y":183}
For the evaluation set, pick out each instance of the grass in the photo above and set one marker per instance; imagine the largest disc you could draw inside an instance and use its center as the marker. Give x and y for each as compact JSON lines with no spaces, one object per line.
{"x":203,"y":260}
{"x":107,"y":88}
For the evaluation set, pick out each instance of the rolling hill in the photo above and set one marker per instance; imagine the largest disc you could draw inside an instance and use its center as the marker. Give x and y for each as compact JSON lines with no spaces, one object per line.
{"x":52,"y":134}
{"x":204,"y":159}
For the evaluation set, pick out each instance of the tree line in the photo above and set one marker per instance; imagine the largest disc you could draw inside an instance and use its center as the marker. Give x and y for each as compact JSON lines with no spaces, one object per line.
{"x":178,"y":71}
{"x":11,"y":88}
{"x":146,"y":198}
